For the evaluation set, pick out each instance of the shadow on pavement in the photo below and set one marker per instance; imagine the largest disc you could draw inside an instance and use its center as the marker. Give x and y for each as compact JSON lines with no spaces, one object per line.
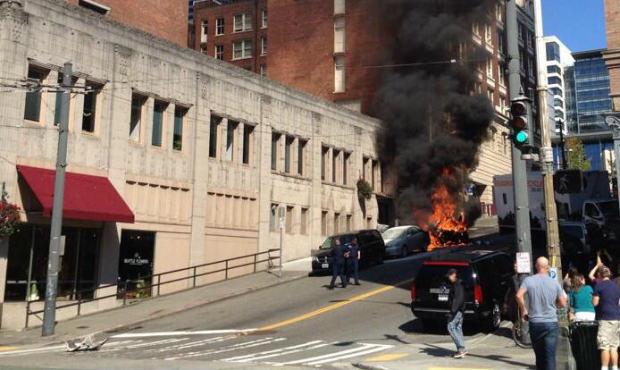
{"x":437,"y":351}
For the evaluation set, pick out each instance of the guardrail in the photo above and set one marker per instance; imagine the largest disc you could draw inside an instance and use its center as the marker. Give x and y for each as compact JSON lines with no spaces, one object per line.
{"x":124,"y":293}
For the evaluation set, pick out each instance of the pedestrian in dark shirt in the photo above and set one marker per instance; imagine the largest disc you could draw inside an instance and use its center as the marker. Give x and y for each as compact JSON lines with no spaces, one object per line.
{"x":353,"y":261}
{"x":338,"y":259}
{"x":456,"y":302}
{"x":605,"y":298}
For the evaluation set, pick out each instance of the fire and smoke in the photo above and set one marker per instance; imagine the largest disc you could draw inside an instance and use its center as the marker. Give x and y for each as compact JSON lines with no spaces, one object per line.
{"x":433,"y":123}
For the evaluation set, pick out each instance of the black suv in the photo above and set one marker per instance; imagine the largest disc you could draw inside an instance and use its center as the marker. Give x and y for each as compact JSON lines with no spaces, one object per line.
{"x":372,"y":249}
{"x":485,"y":275}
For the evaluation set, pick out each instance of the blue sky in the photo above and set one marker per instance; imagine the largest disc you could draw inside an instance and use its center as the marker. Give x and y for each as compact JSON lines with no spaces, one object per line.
{"x":580,"y":24}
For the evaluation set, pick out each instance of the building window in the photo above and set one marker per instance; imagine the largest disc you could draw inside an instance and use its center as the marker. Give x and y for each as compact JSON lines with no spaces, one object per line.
{"x":345,"y":163}
{"x":500,"y":41}
{"x":490,"y":95}
{"x":289,"y":219}
{"x":203,"y":49}
{"x":323,"y":222}
{"x":530,"y":38}
{"x":263,"y":46}
{"x":242,"y":22}
{"x":489,"y":68}
{"x":335,"y":167}
{"x":530,"y":67}
{"x":158,"y":122}
{"x":204,"y":28}
{"x":215,"y":122}
{"x":247,"y":142}
{"x":488,"y":34}
{"x":273,"y":215}
{"x":135,"y":122}
{"x":32,"y":111}
{"x":522,"y":59}
{"x":339,"y":74}
{"x":301,"y":151}
{"x":476,"y":28}
{"x":288,"y":143}
{"x":242,"y":49}
{"x":339,"y":6}
{"x":499,"y":12}
{"x":275,"y":139}
{"x":348,"y":224}
{"x":219,"y":26}
{"x":231,"y":129}
{"x":303,"y":221}
{"x":339,"y":35}
{"x":502,"y":74}
{"x":324,"y":158}
{"x":263,"y":70}
{"x":219,"y":52}
{"x":365,"y":164}
{"x":264,"y":18}
{"x":336,"y":222}
{"x":89,"y":111}
{"x":375,"y":167}
{"x":520,"y":31}
{"x":177,"y":134}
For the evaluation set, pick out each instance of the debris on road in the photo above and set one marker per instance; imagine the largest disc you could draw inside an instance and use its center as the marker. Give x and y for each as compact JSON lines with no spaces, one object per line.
{"x":87,"y":343}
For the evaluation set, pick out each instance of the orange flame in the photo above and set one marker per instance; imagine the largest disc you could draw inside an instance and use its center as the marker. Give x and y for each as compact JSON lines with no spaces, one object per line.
{"x":444,"y":221}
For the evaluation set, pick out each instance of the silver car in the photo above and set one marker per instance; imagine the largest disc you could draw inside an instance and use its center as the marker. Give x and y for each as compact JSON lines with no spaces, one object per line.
{"x":400,"y":241}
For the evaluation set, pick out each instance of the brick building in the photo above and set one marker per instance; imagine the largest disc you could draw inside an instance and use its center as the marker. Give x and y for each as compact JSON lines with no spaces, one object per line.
{"x":612,"y":54}
{"x":234,"y":31}
{"x":202,"y":158}
{"x":165,"y":18}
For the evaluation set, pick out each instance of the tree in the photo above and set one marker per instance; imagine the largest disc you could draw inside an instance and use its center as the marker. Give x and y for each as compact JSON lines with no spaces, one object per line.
{"x":576,"y":155}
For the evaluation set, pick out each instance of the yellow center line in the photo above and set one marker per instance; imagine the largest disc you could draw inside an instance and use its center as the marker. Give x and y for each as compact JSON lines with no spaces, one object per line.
{"x":333,"y":307}
{"x":387,"y":357}
{"x":7,"y":348}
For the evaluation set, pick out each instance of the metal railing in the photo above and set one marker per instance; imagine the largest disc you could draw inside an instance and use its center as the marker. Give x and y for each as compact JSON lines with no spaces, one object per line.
{"x":125,"y":293}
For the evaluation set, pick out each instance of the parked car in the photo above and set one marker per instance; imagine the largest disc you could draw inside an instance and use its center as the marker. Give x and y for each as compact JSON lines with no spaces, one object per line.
{"x":371,"y":246}
{"x":485,"y":275}
{"x":400,"y":241}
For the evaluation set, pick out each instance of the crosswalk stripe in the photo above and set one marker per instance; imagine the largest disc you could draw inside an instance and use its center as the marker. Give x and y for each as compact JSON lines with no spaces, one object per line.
{"x":236,"y":347}
{"x":58,"y":348}
{"x":253,"y":359}
{"x":245,"y":358}
{"x":337,"y":355}
{"x":184,"y":333}
{"x":362,"y":353}
{"x":142,"y":345}
{"x":196,"y":343}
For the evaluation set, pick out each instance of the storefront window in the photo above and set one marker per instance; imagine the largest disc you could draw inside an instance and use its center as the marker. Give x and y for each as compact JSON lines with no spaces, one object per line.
{"x":27,"y":263}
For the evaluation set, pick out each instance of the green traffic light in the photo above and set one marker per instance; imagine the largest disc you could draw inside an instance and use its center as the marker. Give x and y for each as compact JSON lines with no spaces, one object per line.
{"x":521,"y":137}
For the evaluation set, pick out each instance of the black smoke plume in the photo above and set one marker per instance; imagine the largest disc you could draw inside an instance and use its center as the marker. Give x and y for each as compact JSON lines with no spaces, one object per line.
{"x":433,"y":122}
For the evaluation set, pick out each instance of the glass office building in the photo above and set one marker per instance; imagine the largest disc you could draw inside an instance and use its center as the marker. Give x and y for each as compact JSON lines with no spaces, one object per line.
{"x":591,"y":92}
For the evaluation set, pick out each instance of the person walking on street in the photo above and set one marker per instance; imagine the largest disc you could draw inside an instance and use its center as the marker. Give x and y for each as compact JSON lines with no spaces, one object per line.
{"x":456,"y":302}
{"x":353,"y":261}
{"x":544,"y":295}
{"x":338,"y":260}
{"x":580,"y":300}
{"x":605,"y":298}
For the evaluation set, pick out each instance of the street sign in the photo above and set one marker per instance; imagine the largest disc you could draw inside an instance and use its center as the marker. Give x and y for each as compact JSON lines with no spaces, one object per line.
{"x":524,"y":263}
{"x":553,"y":273}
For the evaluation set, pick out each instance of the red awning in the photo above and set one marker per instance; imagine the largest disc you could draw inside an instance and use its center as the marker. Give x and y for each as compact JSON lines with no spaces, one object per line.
{"x":87,"y":197}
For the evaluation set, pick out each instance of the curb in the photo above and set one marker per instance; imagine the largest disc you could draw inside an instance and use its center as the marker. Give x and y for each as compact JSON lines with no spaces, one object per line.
{"x":61,"y":340}
{"x":363,"y":366}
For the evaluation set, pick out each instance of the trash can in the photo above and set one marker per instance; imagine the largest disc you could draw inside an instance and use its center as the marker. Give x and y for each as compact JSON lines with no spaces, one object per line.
{"x":583,"y":345}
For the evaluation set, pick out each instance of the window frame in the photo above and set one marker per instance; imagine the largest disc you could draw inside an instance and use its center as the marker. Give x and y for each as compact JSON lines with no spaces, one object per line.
{"x":244,"y":48}
{"x":95,"y":97}
{"x":220,"y":26}
{"x":139,"y":108}
{"x":179,"y":121}
{"x":162,"y":124}
{"x":245,"y":25}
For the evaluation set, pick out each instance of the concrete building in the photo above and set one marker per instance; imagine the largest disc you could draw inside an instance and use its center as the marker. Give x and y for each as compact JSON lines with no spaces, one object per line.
{"x":612,"y":54}
{"x":197,"y":158}
{"x":559,"y":64}
{"x":166,"y":19}
{"x":234,"y":31}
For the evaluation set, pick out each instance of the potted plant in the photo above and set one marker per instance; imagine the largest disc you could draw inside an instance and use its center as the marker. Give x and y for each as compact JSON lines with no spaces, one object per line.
{"x":364,"y":190}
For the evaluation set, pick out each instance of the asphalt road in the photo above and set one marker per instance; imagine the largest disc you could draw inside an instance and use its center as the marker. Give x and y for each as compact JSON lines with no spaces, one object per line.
{"x":297,"y":324}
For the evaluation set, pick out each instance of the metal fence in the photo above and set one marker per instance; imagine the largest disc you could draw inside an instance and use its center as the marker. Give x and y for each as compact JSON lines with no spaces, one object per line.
{"x":123,"y":292}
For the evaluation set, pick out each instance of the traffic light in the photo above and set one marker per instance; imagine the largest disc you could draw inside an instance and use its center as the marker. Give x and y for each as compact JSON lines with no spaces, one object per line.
{"x":520,"y":120}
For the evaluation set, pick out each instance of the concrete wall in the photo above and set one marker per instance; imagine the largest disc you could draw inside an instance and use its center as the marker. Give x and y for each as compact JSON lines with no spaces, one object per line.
{"x":203,"y":209}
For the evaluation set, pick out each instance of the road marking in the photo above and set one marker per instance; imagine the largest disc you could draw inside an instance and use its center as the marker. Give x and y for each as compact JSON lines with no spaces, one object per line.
{"x":157,"y":342}
{"x":55,"y":348}
{"x":238,"y":346}
{"x":333,"y":307}
{"x":387,"y":357}
{"x":363,"y":350}
{"x":7,"y":348}
{"x":277,"y":352}
{"x":459,"y":368}
{"x":197,"y":343}
{"x":173,"y":333}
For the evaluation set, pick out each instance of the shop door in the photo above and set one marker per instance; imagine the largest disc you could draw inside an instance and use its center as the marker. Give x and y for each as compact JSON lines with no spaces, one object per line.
{"x":136,"y":262}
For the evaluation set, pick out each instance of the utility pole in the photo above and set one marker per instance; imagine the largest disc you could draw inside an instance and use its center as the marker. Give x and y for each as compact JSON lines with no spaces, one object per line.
{"x":519,"y":171}
{"x":49,"y":314}
{"x":553,"y":232}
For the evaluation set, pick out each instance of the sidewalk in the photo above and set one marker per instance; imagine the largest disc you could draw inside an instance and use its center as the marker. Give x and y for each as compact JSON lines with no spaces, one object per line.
{"x":149,"y":309}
